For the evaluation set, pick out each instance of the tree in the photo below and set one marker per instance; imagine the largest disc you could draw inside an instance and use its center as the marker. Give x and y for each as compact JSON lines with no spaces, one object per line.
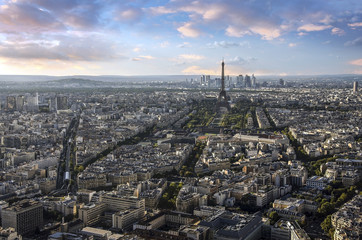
{"x":326,"y":208}
{"x":188,"y":174}
{"x":274,"y":217}
{"x":327,"y":226}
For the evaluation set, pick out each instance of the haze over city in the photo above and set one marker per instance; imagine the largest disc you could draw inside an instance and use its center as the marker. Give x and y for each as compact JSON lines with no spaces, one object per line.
{"x":90,"y":37}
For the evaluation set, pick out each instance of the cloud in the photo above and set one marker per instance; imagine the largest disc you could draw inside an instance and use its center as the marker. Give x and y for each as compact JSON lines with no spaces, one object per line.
{"x":144,"y":57}
{"x":86,"y":48}
{"x":147,"y":57}
{"x":327,"y":19}
{"x":292,"y":45}
{"x":357,"y":62}
{"x":239,"y":61}
{"x":353,"y":43}
{"x":187,"y":30}
{"x":234,"y":31}
{"x":164,"y":44}
{"x":198,"y":70}
{"x":227,"y":44}
{"x":267,"y":33}
{"x":262,"y":18}
{"x":192,"y":57}
{"x":128,"y":14}
{"x":161,"y":10}
{"x":356,"y":24}
{"x":50,"y":15}
{"x":184,"y":45}
{"x":27,"y":18}
{"x":337,"y":31}
{"x":313,"y":27}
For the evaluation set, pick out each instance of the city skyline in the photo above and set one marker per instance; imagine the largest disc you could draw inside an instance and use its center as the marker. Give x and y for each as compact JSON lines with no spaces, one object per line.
{"x":49,"y":37}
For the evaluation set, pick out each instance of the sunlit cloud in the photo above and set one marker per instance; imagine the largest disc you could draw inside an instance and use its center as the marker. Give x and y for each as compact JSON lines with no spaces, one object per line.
{"x":338,"y":31}
{"x":357,"y":62}
{"x":191,"y":57}
{"x":187,"y":30}
{"x":129,"y":14}
{"x":199,"y":70}
{"x":356,"y":24}
{"x":233,"y":31}
{"x":161,"y":10}
{"x":313,"y":27}
{"x":144,"y":57}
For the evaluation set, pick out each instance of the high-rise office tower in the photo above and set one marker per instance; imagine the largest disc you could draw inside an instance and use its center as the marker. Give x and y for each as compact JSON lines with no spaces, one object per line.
{"x":281,"y":82}
{"x":20,"y":103}
{"x":32,"y":103}
{"x":208,"y":80}
{"x":355,"y":87}
{"x":247,"y":81}
{"x":253,"y":81}
{"x":61,"y":103}
{"x":11,"y":103}
{"x":239,"y":80}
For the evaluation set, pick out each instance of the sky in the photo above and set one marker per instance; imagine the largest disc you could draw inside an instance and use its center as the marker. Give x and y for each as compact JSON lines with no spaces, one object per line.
{"x":159,"y":37}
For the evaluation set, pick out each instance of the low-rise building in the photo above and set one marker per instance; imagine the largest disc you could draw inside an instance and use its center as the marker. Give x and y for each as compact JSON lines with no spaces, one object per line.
{"x":317,"y":182}
{"x":347,"y":220}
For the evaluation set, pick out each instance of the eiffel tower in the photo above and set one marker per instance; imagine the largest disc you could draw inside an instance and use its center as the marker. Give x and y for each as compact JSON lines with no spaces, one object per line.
{"x":222,"y":101}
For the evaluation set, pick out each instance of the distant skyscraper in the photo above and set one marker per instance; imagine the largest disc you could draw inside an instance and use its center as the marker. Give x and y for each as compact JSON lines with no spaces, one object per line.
{"x":11,"y":103}
{"x":355,"y":87}
{"x":208,"y":80}
{"x":62,"y":102}
{"x":281,"y":82}
{"x":247,"y":81}
{"x":32,"y":103}
{"x":239,"y":80}
{"x":253,"y":81}
{"x":20,"y":103}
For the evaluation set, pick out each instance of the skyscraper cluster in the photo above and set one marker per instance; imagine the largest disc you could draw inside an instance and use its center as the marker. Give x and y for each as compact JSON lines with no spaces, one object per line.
{"x":246,"y":82}
{"x":239,"y":82}
{"x":29,"y":102}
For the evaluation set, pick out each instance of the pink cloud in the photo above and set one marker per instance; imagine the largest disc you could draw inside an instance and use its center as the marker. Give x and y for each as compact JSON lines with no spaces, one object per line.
{"x":191,"y":57}
{"x":357,"y":24}
{"x":161,"y":10}
{"x":313,"y":27}
{"x":357,"y":62}
{"x":234,"y":31}
{"x":188,"y":30}
{"x":337,"y":31}
{"x":199,"y":70}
